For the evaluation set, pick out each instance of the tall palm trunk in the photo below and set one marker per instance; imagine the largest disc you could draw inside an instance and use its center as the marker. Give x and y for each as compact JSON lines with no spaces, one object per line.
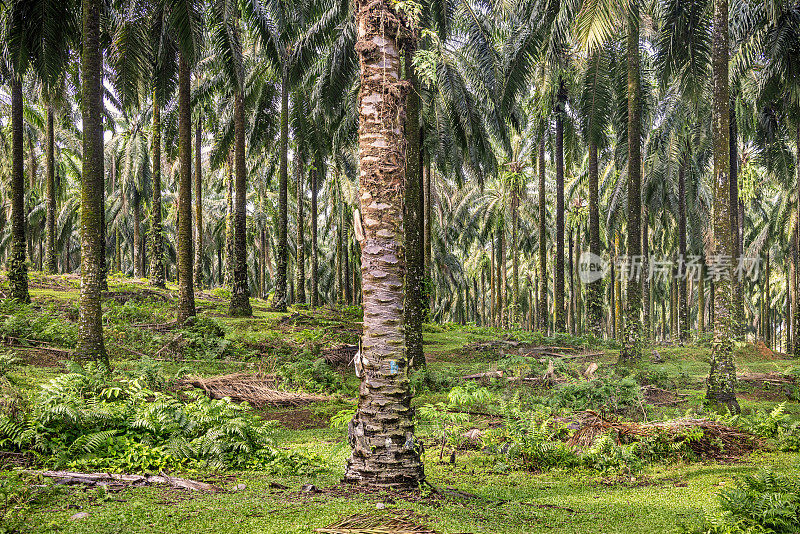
{"x":738,"y":297}
{"x":186,"y":306}
{"x":413,"y":221}
{"x":594,"y":290}
{"x":558,"y":275}
{"x":50,"y":224}
{"x":722,"y":375}
{"x":300,"y":254}
{"x":17,"y":266}
{"x":385,"y":452}
{"x":229,"y":222}
{"x":240,"y":291}
{"x":315,"y":174}
{"x":514,"y":255}
{"x":280,"y":300}
{"x":543,"y":315}
{"x":796,"y":317}
{"x":90,"y":340}
{"x":136,"y":205}
{"x":198,"y":205}
{"x":428,"y":244}
{"x":156,"y":226}
{"x":632,"y":339}
{"x":683,"y":304}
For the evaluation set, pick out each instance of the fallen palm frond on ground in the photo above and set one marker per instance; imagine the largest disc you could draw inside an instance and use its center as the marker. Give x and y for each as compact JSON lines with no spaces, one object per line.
{"x":717,"y":441}
{"x":771,"y":379}
{"x":399,"y":522}
{"x":257,"y":390}
{"x":121,"y":481}
{"x":663,"y":397}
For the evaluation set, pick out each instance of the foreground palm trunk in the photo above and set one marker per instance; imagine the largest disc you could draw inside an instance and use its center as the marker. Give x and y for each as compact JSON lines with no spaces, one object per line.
{"x":385,"y":452}
{"x":300,"y":251}
{"x":543,"y":312}
{"x":632,"y":336}
{"x":558,"y":274}
{"x":90,"y":340}
{"x":156,"y":227}
{"x":315,"y":174}
{"x":722,"y":375}
{"x":240,"y":292}
{"x":186,"y":307}
{"x":50,"y":246}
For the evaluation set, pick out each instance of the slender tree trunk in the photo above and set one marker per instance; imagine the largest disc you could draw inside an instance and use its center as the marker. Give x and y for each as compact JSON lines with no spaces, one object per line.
{"x":722,"y":375}
{"x":90,"y":340}
{"x":315,"y":175}
{"x":280,"y":300}
{"x":300,"y":251}
{"x":558,"y":275}
{"x":157,"y":277}
{"x":136,"y":205}
{"x":230,"y":217}
{"x":240,"y":291}
{"x":186,"y":306}
{"x":340,"y":280}
{"x":17,"y":263}
{"x":414,"y":221}
{"x":632,"y":342}
{"x":647,"y":325}
{"x":198,"y":205}
{"x":348,"y":279}
{"x":682,"y":294}
{"x":385,"y":452}
{"x":428,"y":224}
{"x":50,"y":224}
{"x":514,"y":255}
{"x":542,"y":241}
{"x":738,"y":300}
{"x":493,"y":280}
{"x":613,"y":301}
{"x":594,"y":289}
{"x":796,"y":317}
{"x":571,"y":304}
{"x":701,"y":301}
{"x":500,"y":285}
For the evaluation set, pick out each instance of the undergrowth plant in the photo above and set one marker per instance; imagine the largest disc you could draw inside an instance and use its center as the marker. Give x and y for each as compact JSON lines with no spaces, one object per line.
{"x":88,"y":419}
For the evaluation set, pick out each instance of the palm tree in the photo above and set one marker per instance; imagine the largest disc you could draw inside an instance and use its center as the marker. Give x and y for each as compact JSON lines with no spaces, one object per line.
{"x":186,"y":306}
{"x":722,"y":375}
{"x":91,"y":344}
{"x":385,"y":452}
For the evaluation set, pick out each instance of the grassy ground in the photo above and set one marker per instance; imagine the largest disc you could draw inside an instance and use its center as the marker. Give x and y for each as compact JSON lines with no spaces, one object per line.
{"x":661,"y":498}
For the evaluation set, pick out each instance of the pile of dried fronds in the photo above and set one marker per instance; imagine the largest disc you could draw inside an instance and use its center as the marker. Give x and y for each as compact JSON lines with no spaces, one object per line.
{"x":399,"y":522}
{"x":663,"y":397}
{"x":718,"y":441}
{"x":257,"y":390}
{"x":340,"y":356}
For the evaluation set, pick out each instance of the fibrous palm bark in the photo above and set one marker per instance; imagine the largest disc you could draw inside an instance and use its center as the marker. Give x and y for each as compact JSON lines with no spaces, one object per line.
{"x":156,"y":226}
{"x":385,"y":451}
{"x":683,"y":304}
{"x":632,"y":338}
{"x":90,"y":340}
{"x":315,"y":174}
{"x":240,"y":291}
{"x":186,"y":307}
{"x":722,"y":375}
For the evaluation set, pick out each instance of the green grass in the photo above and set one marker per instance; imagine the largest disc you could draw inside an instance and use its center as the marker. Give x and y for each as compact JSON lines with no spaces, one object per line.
{"x":561,"y":501}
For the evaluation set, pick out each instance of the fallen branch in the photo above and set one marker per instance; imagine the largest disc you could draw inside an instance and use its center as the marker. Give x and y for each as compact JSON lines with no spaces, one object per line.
{"x":105,"y":479}
{"x":489,"y":374}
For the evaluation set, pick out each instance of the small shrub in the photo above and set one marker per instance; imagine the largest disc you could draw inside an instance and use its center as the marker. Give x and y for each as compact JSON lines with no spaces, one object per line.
{"x":599,"y":394}
{"x":766,"y":502}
